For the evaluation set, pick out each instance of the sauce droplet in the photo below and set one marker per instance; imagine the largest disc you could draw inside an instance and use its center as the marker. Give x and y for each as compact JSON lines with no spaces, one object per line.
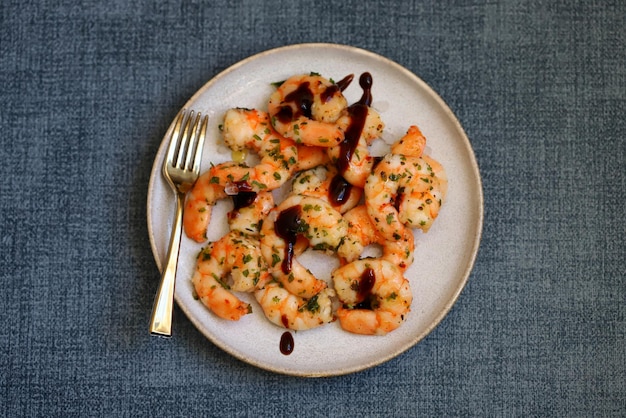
{"x":365,"y":81}
{"x":286,"y":343}
{"x":339,"y":190}
{"x":368,"y":278}
{"x":243,"y":199}
{"x":329,"y":92}
{"x":287,"y":227}
{"x":302,"y":100}
{"x":364,"y":290}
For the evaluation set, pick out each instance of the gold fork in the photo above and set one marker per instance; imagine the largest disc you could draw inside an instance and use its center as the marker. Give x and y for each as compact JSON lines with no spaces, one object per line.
{"x":181,"y":168}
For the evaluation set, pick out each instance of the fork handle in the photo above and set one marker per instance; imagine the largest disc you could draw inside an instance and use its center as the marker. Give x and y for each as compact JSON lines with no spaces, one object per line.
{"x":161,"y":320}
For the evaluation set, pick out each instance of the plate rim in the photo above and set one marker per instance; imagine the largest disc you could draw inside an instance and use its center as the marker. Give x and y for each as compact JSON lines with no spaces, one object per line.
{"x":447,"y":307}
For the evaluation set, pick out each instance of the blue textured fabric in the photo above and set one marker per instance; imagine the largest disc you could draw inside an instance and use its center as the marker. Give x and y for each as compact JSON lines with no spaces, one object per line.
{"x":87,"y":92}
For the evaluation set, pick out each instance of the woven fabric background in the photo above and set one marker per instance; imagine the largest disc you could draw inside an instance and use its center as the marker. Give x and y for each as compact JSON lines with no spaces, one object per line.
{"x":87,"y":90}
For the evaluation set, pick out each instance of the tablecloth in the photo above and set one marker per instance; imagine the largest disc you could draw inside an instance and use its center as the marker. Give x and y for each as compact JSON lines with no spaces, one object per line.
{"x":88,"y":91}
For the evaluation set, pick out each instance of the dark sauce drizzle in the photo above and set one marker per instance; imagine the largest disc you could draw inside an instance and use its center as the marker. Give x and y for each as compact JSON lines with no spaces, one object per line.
{"x":302,"y":98}
{"x":377,"y":161}
{"x":345,"y":82}
{"x":341,"y":85}
{"x":364,"y":290}
{"x":287,"y":226}
{"x":339,"y":190}
{"x":329,"y":92}
{"x":358,"y":114}
{"x":366,"y":81}
{"x":243,"y":199}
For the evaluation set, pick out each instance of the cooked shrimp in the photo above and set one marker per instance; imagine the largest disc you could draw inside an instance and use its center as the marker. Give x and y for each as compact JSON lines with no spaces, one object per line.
{"x":198,"y":205}
{"x":324,"y":182}
{"x":412,"y":143}
{"x":250,"y":129}
{"x":310,"y":157}
{"x":407,"y":187}
{"x":290,"y":311}
{"x":361,"y":233}
{"x":354,"y":163}
{"x":375,"y":295}
{"x":305,"y":109}
{"x":298,"y":216}
{"x":250,"y":209}
{"x":236,"y":256}
{"x":420,"y":203}
{"x":382,"y":189}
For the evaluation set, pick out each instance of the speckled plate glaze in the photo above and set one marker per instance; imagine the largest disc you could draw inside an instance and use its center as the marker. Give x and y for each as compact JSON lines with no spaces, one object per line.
{"x":443,"y":257}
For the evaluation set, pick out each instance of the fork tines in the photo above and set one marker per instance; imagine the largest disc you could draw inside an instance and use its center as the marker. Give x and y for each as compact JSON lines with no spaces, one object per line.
{"x":186,"y":148}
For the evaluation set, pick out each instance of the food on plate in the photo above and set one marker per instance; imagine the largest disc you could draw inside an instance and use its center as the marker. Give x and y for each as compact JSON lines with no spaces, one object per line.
{"x":375,"y":296}
{"x":384,"y":188}
{"x":325,"y":182}
{"x":306,"y":219}
{"x":245,"y":129}
{"x":423,"y":196}
{"x":317,"y":186}
{"x":249,"y":211}
{"x":287,"y":310}
{"x":412,"y":143}
{"x":236,"y":257}
{"x":310,"y":157}
{"x":362,"y":232}
{"x":406,"y":188}
{"x":305,"y":108}
{"x":199,"y":205}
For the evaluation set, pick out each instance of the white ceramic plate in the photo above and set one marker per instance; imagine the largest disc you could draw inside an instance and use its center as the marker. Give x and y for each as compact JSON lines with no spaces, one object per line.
{"x":443,"y":257}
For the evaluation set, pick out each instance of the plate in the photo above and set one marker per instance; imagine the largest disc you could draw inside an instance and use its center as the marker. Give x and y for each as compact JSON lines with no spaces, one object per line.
{"x":443,"y":257}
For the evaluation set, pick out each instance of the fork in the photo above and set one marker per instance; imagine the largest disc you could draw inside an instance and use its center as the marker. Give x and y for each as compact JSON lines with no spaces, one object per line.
{"x":181,"y":169}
